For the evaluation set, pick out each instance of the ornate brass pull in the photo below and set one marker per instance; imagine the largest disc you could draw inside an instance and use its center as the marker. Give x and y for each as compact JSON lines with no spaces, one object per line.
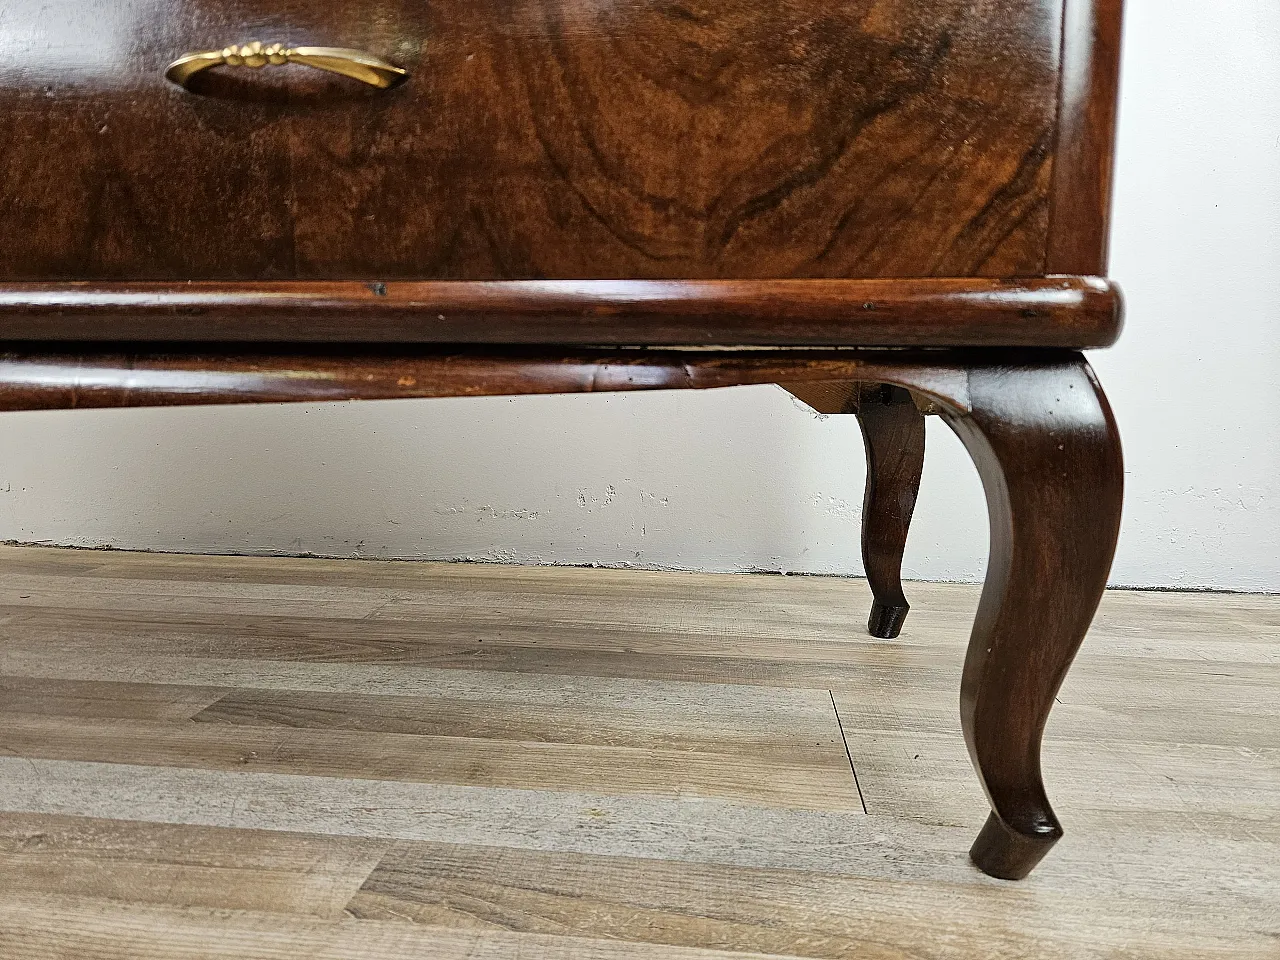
{"x":356,"y":64}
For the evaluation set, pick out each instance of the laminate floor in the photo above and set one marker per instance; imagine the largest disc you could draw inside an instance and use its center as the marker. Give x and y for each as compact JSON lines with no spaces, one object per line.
{"x":209,"y":757}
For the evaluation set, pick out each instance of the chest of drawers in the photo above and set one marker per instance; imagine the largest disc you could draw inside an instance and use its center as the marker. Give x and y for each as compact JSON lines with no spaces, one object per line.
{"x":889,"y":207}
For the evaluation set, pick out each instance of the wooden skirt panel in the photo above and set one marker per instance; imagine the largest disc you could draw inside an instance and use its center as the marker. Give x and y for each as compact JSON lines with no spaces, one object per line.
{"x":1072,"y":312}
{"x":44,"y":380}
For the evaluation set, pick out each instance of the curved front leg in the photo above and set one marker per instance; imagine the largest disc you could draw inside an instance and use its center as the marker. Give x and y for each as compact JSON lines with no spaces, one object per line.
{"x":893,"y":436}
{"x":1045,"y":444}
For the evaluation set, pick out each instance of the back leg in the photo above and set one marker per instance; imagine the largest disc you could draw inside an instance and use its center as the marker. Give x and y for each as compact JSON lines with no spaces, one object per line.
{"x":893,"y":435}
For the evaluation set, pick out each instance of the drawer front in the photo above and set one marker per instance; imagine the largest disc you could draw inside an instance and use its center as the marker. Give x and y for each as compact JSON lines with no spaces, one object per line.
{"x":534,"y":139}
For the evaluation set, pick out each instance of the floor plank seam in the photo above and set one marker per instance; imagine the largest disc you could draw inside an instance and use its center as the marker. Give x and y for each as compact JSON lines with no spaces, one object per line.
{"x":847,"y":752}
{"x":630,"y":773}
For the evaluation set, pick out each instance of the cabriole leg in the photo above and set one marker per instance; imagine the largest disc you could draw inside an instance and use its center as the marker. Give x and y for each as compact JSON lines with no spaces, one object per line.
{"x":893,"y":436}
{"x":1046,"y":446}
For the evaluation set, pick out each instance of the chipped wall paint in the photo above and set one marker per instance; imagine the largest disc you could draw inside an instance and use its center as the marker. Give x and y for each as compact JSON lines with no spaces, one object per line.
{"x":749,"y":479}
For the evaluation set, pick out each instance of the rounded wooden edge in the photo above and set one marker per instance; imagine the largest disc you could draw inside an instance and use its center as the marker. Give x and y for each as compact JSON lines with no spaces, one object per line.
{"x":1084,"y":153}
{"x":1073,"y":312}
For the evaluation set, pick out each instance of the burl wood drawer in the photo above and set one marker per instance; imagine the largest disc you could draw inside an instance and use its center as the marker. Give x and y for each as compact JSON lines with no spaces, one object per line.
{"x":533,"y":139}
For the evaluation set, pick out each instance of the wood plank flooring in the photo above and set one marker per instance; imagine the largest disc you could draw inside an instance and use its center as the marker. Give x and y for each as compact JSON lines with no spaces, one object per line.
{"x":208,"y":757}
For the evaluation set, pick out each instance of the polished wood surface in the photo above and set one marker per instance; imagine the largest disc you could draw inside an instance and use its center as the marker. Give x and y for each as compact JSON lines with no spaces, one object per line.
{"x":1046,"y":446}
{"x":1080,"y":212}
{"x":286,"y":682}
{"x":1075,"y":312}
{"x":893,"y":439}
{"x":36,"y":380}
{"x":761,"y":184}
{"x":891,"y":420}
{"x":535,"y":139}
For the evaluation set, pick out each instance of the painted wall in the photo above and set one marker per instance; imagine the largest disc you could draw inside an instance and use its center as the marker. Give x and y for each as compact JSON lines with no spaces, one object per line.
{"x":748,"y":479}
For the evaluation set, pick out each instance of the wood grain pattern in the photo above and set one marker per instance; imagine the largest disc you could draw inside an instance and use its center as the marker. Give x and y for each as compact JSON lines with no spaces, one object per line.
{"x":182,"y":866}
{"x":41,"y":381}
{"x":51,"y":928}
{"x":652,"y":826}
{"x":822,"y":783}
{"x":799,"y":728}
{"x":132,"y":858}
{"x":1080,"y":212}
{"x":104,"y":700}
{"x":462,"y":887}
{"x":535,"y":139}
{"x":1072,"y":312}
{"x":827,"y":397}
{"x":614,"y":146}
{"x":915,"y":775}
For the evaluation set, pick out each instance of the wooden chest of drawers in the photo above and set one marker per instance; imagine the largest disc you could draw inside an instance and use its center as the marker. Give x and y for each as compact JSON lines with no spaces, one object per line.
{"x":411,"y":198}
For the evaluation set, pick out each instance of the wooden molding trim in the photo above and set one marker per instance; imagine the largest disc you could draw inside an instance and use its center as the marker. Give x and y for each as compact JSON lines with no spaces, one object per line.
{"x":1072,"y":312}
{"x":1080,"y":198}
{"x":40,"y":380}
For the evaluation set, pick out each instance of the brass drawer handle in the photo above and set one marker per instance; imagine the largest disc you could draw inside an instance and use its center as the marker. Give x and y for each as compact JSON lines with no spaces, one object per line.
{"x":355,"y":64}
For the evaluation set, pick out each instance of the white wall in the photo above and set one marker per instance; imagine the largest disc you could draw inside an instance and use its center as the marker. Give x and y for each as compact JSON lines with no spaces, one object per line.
{"x":747,"y":479}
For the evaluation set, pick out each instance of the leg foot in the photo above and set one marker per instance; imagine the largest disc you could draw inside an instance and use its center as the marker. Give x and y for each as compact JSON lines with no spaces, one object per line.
{"x":1046,"y":447}
{"x":886,"y":621}
{"x":893,"y":435}
{"x":1006,"y":854}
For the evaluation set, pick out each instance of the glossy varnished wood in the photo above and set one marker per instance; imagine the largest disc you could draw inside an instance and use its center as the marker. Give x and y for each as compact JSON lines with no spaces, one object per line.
{"x":1071,"y":312}
{"x":893,"y":438}
{"x":1080,"y":212}
{"x":31,"y":380}
{"x":534,"y":139}
{"x":892,"y":426}
{"x":1044,"y":440}
{"x":923,"y":183}
{"x":1047,"y":449}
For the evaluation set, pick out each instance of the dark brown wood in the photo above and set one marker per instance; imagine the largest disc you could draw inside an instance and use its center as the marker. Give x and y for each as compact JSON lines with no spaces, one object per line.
{"x":1035,"y":422}
{"x":1075,"y":312}
{"x":892,"y":423}
{"x":923,"y":183}
{"x":38,"y":380}
{"x":1080,"y":210}
{"x":893,"y":436}
{"x":1047,"y":449}
{"x":534,"y":139}
{"x":826,"y":396}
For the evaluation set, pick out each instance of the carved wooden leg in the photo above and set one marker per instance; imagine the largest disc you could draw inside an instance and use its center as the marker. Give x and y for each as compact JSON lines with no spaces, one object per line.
{"x":1046,"y":447}
{"x":893,"y":435}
